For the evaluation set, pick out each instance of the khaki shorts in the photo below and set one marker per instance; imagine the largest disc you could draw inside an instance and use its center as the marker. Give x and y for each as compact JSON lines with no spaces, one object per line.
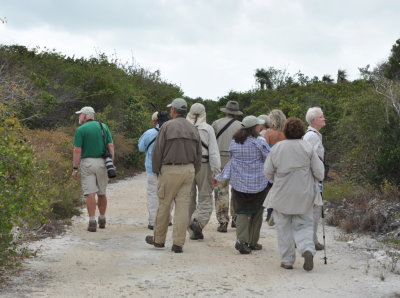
{"x":94,"y":177}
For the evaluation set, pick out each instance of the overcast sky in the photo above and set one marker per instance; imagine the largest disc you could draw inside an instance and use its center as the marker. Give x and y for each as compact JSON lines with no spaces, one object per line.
{"x":210,"y":47}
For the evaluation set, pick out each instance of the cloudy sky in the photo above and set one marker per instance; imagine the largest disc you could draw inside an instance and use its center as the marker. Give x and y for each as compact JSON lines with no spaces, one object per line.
{"x":209,"y":47}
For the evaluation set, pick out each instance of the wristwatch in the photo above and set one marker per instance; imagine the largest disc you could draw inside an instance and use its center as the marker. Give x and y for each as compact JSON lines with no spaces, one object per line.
{"x":75,"y":169}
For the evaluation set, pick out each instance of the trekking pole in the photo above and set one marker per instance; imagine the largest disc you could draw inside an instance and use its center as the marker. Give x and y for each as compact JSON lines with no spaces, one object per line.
{"x":323,"y":233}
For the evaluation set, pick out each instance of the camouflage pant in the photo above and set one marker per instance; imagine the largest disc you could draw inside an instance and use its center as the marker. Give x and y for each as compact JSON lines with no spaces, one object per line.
{"x":221,"y":196}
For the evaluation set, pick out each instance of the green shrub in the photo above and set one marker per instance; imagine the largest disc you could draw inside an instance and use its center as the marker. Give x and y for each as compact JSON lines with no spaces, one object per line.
{"x":23,"y":191}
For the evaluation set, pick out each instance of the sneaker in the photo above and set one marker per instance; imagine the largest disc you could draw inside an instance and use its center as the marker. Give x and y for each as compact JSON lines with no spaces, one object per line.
{"x":92,"y":226}
{"x":223,"y":227}
{"x":319,"y":246}
{"x":150,"y":227}
{"x":308,"y":260}
{"x":286,"y":266}
{"x":256,"y":247}
{"x":150,"y":240}
{"x":233,"y":223}
{"x":197,"y":230}
{"x":102,"y":222}
{"x":242,"y":247}
{"x":176,"y":248}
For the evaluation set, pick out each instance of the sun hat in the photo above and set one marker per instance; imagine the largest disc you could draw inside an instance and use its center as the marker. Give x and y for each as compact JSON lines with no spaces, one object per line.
{"x":197,"y":109}
{"x":232,"y":107}
{"x":178,"y":103}
{"x":265,"y":118}
{"x":154,"y":116}
{"x":250,"y":121}
{"x":86,"y":110}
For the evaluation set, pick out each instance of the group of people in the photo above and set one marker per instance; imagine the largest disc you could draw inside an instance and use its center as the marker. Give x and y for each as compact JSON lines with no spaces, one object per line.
{"x":266,"y":161}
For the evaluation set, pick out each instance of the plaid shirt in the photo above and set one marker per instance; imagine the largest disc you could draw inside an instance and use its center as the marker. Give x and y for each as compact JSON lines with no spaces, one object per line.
{"x":245,"y":166}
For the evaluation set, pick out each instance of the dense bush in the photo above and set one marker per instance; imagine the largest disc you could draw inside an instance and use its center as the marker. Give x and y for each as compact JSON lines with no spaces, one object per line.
{"x":23,"y":190}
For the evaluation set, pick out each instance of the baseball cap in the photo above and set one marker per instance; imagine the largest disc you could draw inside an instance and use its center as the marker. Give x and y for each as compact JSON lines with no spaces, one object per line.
{"x":86,"y":110}
{"x":178,"y":103}
{"x":251,"y":121}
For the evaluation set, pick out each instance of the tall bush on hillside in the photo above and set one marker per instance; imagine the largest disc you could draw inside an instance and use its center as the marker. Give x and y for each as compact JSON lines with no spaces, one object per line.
{"x":22,"y":190}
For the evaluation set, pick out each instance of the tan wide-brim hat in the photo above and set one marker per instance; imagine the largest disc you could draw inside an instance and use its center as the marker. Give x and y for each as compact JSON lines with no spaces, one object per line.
{"x":232,"y":107}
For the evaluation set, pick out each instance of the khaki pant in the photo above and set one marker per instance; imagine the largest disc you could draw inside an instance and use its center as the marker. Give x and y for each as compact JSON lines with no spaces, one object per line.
{"x":201,"y":208}
{"x":174,"y":185}
{"x":221,"y":196}
{"x":248,"y":227}
{"x":294,"y":230}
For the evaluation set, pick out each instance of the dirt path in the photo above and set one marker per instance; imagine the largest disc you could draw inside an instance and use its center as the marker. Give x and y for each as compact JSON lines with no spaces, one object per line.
{"x":116,"y":262}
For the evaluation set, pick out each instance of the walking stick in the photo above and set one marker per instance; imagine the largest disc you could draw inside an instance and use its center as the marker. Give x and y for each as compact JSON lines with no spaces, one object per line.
{"x":323,"y":233}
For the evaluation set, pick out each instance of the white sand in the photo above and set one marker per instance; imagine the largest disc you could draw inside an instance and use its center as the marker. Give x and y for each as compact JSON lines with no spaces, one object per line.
{"x":116,"y":262}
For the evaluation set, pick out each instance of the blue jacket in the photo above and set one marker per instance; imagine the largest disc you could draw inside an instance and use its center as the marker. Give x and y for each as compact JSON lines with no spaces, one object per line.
{"x":144,"y":142}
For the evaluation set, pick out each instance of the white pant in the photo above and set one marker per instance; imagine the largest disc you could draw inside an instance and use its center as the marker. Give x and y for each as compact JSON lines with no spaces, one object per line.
{"x":294,"y":230}
{"x":152,"y":198}
{"x":317,"y":213}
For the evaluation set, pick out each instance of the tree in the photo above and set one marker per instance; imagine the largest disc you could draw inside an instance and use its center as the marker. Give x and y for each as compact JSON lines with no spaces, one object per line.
{"x":392,"y":71}
{"x":264,"y":78}
{"x":272,"y":78}
{"x":326,"y":78}
{"x":341,"y":76}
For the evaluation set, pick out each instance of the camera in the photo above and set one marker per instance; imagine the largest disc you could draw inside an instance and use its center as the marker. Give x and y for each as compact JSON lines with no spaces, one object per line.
{"x":162,"y":117}
{"x":110,"y":166}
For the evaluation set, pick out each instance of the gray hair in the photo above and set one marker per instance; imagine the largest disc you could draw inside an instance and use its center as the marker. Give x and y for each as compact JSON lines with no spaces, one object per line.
{"x":312,"y":113}
{"x":277,"y":119}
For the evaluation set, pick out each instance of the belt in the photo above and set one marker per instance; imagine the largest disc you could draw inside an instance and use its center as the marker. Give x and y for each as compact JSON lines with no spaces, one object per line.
{"x":175,"y":164}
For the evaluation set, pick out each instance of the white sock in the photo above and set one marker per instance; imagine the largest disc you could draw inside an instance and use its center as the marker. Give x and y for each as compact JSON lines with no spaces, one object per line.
{"x":92,"y":218}
{"x":102,"y":216}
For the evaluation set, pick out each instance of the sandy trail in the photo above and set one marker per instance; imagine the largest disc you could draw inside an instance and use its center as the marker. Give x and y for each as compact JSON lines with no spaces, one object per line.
{"x":116,"y":262}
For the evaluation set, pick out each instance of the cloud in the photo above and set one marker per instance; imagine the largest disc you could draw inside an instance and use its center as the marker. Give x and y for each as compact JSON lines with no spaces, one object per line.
{"x":211,"y":47}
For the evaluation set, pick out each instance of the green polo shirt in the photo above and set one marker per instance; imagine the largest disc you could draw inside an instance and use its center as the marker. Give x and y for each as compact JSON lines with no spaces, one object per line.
{"x":89,"y":137}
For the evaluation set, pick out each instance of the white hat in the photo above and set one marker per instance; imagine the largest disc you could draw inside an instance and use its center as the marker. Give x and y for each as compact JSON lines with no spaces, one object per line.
{"x":86,"y":110}
{"x":178,"y":103}
{"x":197,"y":109}
{"x":251,"y":121}
{"x":154,"y":116}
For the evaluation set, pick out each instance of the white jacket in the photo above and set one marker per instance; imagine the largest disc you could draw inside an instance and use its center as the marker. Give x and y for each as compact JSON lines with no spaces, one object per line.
{"x":207,"y":136}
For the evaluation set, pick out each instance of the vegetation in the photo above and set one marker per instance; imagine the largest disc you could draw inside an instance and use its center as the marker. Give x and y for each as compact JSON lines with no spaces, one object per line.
{"x":41,"y":89}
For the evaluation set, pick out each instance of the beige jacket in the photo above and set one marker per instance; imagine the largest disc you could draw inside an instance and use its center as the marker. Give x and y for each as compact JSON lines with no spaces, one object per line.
{"x":226,"y":137}
{"x":294,"y":167}
{"x":178,"y":142}
{"x":207,"y":137}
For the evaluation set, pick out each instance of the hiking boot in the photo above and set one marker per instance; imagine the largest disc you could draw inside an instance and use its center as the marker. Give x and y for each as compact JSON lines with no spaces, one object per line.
{"x":150,"y":240}
{"x":286,"y":266}
{"x":242,"y":247}
{"x":233,"y":223}
{"x":150,"y":227}
{"x":223,"y":227}
{"x":176,"y":248}
{"x":102,"y":222}
{"x":92,"y":226}
{"x":197,"y":230}
{"x":271,"y":222}
{"x":256,"y":247}
{"x":308,"y":260}
{"x":319,"y":246}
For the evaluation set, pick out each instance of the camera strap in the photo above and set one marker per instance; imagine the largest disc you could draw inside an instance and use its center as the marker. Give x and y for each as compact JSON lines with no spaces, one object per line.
{"x":225,"y":127}
{"x":104,"y":138}
{"x":152,"y":141}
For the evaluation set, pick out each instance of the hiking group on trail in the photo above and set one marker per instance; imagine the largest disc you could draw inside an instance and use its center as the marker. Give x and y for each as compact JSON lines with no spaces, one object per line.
{"x":266,"y":161}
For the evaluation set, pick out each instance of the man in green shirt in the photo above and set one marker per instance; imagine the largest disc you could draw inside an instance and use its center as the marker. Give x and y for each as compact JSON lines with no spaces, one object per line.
{"x":88,"y":153}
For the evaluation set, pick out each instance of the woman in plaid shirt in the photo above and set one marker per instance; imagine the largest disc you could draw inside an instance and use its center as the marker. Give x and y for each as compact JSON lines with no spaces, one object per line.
{"x":244,"y":171}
